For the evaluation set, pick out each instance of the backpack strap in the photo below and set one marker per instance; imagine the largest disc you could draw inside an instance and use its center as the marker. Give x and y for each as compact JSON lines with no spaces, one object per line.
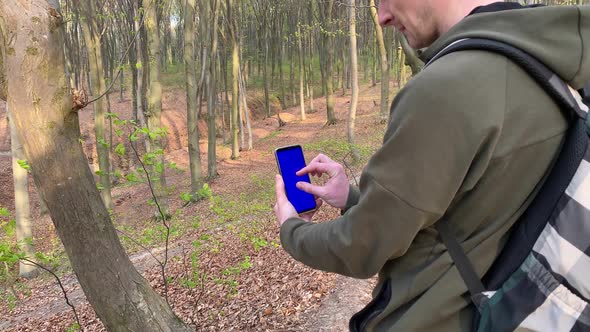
{"x":462,"y":262}
{"x":570,"y":103}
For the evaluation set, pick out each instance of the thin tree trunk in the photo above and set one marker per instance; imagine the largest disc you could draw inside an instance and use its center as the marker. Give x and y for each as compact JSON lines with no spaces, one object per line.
{"x":310,"y":73}
{"x":194,"y":152}
{"x":60,"y":171}
{"x":155,"y":111}
{"x":235,"y":69}
{"x":142,"y":74}
{"x":265,"y":73}
{"x":355,"y":79}
{"x":384,"y":110}
{"x":329,"y":56}
{"x":301,"y":72}
{"x":212,"y":97}
{"x":412,"y":59}
{"x":24,"y":228}
{"x":246,"y":110}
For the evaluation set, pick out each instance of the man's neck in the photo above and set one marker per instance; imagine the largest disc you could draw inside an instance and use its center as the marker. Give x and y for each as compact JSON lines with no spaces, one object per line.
{"x":455,"y":11}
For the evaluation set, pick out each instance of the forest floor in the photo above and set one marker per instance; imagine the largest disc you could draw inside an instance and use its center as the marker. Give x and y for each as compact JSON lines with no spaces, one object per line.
{"x":227,"y":270}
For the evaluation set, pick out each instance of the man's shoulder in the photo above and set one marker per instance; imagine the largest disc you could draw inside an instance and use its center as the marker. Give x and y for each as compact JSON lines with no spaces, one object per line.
{"x":454,"y":87}
{"x":468,"y":68}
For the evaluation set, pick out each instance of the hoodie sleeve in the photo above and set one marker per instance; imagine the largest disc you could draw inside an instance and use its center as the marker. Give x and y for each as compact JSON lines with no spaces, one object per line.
{"x":353,"y":198}
{"x":440,"y":122}
{"x":582,"y":76}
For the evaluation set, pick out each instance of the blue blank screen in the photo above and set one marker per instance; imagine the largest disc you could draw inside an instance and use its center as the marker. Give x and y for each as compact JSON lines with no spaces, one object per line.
{"x":290,"y":161}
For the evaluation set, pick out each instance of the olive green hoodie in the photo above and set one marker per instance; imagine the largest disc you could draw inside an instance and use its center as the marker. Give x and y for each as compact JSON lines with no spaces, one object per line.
{"x":471,"y":138}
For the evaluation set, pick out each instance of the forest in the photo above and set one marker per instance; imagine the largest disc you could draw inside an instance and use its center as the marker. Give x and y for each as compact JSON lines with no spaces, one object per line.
{"x":137,"y":167}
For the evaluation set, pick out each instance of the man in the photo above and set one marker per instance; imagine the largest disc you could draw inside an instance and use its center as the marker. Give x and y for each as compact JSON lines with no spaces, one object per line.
{"x":470,"y":138}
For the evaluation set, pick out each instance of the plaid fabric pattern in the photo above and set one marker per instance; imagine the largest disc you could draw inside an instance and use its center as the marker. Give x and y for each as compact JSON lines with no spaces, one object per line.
{"x":550,"y":291}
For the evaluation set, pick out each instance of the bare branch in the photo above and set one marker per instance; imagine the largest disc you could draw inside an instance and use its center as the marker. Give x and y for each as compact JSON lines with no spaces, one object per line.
{"x":60,"y":286}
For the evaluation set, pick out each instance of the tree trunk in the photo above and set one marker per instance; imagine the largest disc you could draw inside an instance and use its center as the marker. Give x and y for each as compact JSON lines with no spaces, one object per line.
{"x":194,"y":152}
{"x":246,"y":110}
{"x":310,"y":73}
{"x":235,"y":69}
{"x":24,"y":229}
{"x":95,"y":59}
{"x":212,"y":97}
{"x":265,"y":73}
{"x":121,"y":297}
{"x":155,"y":112}
{"x":301,"y":73}
{"x":412,"y":59}
{"x":142,"y":78}
{"x":384,"y":111}
{"x":327,"y":19}
{"x":354,"y":77}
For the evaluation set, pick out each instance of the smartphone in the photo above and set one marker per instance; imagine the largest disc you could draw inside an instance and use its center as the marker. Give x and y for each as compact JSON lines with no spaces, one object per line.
{"x":290,"y":160}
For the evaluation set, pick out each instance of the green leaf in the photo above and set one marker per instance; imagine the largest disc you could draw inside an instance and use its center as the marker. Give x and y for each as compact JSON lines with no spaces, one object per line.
{"x":23,"y":164}
{"x":4,"y":212}
{"x":110,"y":115}
{"x":159,"y":168}
{"x":9,"y":228}
{"x":186,"y":197}
{"x":102,"y":142}
{"x":120,"y":149}
{"x":132,"y":177}
{"x":99,"y":173}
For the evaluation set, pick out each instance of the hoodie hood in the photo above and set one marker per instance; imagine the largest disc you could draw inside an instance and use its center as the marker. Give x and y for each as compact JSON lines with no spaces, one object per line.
{"x":558,"y":36}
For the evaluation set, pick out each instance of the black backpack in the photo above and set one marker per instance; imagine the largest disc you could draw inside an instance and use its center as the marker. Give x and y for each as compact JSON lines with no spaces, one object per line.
{"x":541,"y":279}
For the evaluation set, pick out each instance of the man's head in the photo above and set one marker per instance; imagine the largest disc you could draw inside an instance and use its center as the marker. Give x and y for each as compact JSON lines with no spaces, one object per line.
{"x":423,"y":21}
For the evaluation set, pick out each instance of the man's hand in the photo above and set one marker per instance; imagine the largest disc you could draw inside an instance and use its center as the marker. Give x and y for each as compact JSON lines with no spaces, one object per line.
{"x":284,"y":209}
{"x":335,"y":191}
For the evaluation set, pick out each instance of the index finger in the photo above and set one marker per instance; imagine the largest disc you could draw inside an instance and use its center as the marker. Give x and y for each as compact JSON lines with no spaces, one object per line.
{"x":314,"y":167}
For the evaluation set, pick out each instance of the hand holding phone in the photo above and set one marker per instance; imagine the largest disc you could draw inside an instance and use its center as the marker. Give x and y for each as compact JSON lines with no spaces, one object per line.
{"x":290,"y":160}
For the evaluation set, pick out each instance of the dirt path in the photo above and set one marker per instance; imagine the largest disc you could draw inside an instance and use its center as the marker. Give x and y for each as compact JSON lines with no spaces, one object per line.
{"x":38,"y":310}
{"x":348,"y":297}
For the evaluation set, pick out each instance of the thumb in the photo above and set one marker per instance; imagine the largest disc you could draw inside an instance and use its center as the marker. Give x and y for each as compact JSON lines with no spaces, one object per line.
{"x":310,"y":188}
{"x":280,"y":188}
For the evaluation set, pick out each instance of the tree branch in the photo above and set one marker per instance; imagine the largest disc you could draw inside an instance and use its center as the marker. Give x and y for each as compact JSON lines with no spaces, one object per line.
{"x":162,"y":215}
{"x":60,"y":286}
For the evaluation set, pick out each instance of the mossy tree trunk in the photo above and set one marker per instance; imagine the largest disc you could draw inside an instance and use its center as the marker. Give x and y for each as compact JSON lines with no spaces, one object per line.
{"x":41,"y":106}
{"x":154,"y":121}
{"x":194,"y":151}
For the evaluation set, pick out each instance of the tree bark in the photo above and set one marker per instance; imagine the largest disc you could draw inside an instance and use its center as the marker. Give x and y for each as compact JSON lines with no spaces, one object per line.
{"x":246,"y":110}
{"x":212,"y":97}
{"x":48,"y":127}
{"x":235,"y":69}
{"x":326,"y":10}
{"x":412,"y":58}
{"x":155,"y":110}
{"x":301,"y":71}
{"x":384,"y":110}
{"x":355,"y":79}
{"x":191,"y":96}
